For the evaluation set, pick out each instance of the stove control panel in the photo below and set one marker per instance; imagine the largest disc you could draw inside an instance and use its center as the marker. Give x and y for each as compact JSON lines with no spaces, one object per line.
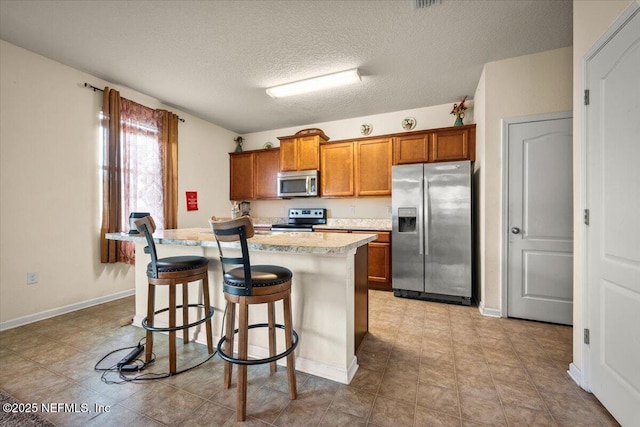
{"x":307,"y":213}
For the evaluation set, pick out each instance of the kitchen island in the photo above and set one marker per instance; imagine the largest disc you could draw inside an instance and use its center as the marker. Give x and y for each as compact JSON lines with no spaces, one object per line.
{"x":329,"y":292}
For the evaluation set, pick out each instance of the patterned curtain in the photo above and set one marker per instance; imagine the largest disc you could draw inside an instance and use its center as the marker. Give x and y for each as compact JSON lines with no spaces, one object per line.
{"x":142,"y":164}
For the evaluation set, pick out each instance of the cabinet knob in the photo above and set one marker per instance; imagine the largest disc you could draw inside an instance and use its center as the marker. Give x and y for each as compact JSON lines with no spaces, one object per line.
{"x":515,"y":230}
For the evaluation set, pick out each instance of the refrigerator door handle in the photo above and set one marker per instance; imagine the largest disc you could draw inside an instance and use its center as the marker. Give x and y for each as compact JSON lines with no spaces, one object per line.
{"x":421,"y":221}
{"x":426,"y":217}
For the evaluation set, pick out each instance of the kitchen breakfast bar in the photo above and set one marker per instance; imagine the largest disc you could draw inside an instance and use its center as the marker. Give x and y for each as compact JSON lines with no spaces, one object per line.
{"x":329,"y":293}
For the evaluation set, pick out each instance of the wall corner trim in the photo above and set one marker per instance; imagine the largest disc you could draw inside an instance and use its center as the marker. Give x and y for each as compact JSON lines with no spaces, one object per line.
{"x":488,"y":311}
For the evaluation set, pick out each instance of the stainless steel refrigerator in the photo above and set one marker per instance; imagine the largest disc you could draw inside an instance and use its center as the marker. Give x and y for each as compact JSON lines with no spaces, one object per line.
{"x":431,"y":231}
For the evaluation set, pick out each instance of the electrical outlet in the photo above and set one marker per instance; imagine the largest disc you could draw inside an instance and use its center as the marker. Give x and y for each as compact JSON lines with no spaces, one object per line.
{"x":32,"y":277}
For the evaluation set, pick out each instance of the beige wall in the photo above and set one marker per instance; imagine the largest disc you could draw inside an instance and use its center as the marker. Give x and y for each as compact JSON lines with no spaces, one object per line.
{"x":522,"y":86}
{"x":591,"y":19}
{"x":50,"y":180}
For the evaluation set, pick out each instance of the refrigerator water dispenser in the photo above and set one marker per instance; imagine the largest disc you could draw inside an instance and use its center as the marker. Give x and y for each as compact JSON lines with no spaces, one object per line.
{"x":407,"y":220}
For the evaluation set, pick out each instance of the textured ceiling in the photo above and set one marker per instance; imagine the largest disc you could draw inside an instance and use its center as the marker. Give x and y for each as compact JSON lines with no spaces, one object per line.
{"x":214,"y":59}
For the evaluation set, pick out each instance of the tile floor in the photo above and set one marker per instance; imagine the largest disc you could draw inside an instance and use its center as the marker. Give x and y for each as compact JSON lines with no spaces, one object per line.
{"x":423,"y":364}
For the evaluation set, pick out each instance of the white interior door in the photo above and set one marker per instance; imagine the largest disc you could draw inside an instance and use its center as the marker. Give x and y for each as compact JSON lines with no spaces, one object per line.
{"x":613,"y":234}
{"x":540,"y":219}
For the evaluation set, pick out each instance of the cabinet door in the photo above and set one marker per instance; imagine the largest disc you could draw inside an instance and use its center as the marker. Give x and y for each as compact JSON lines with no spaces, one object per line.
{"x":411,"y":149}
{"x":379,"y":270}
{"x":241,"y":176}
{"x":336,"y":172}
{"x":288,"y":155}
{"x":308,"y":148}
{"x":373,"y":167}
{"x":452,"y":145}
{"x":266,"y":167}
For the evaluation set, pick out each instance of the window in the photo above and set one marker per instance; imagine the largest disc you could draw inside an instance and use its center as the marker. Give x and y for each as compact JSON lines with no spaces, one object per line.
{"x":140,"y":170}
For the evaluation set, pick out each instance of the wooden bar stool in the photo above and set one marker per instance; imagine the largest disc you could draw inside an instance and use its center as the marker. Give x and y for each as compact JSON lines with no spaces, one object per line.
{"x":173,"y":271}
{"x":246,"y":285}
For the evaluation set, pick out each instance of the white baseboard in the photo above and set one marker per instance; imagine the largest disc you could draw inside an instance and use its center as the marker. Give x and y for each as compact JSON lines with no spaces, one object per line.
{"x":21,"y":321}
{"x":491,"y":312}
{"x":575,"y":374}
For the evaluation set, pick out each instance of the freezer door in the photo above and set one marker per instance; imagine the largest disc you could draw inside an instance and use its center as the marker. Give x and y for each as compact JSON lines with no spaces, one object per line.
{"x":407,"y":248}
{"x":447,"y":212}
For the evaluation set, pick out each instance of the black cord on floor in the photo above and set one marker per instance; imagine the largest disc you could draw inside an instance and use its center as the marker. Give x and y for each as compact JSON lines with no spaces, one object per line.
{"x":143,"y":365}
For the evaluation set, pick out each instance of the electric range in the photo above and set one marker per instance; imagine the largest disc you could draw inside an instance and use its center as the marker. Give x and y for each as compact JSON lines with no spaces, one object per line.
{"x":302,"y":219}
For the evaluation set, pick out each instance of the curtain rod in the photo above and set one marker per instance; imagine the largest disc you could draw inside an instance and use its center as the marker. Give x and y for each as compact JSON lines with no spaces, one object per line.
{"x":89,"y":86}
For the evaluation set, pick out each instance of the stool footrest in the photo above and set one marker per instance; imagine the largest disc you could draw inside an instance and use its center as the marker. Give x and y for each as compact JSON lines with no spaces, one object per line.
{"x":148,"y":327}
{"x":236,"y":361}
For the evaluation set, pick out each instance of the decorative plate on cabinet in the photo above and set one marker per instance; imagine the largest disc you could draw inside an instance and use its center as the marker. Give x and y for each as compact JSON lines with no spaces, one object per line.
{"x":268,"y":144}
{"x":365,"y":129}
{"x":408,"y":123}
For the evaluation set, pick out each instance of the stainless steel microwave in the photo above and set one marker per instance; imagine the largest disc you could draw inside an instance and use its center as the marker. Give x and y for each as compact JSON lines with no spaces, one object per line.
{"x":298,"y":183}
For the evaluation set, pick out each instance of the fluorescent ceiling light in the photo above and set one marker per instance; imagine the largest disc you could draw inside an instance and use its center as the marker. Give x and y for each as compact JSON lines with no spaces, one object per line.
{"x":315,"y":83}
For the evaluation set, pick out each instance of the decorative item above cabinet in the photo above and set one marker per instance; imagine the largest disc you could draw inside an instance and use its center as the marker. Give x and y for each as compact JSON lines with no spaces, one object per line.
{"x":302,"y":150}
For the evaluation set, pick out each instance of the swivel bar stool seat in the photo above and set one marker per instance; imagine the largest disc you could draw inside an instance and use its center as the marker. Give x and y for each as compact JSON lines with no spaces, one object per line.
{"x":246,"y":285}
{"x":171,"y":272}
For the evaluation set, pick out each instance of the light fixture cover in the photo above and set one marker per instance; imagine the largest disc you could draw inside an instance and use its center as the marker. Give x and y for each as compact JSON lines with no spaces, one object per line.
{"x":315,"y":83}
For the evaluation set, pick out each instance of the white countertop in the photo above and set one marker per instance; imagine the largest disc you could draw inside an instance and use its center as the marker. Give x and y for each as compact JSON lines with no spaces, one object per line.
{"x":291,"y":242}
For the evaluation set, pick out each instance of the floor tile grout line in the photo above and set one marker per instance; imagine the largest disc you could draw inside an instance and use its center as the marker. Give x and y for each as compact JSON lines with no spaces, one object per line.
{"x":455,"y":370}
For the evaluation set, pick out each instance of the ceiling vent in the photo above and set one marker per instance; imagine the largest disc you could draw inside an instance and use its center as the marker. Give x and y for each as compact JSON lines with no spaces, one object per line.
{"x":421,"y":4}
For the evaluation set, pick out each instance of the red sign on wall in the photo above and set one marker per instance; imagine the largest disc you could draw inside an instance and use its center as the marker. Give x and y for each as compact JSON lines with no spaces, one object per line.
{"x":192,"y":200}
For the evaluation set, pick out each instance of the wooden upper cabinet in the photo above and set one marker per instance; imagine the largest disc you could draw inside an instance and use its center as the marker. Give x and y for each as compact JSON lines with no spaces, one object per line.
{"x":301,"y":151}
{"x":435,"y":145}
{"x":413,"y":148}
{"x":458,"y":143}
{"x":241,"y":176}
{"x":266,"y":166}
{"x":373,"y":167}
{"x":337,"y":169}
{"x":253,"y":174}
{"x":288,"y":157}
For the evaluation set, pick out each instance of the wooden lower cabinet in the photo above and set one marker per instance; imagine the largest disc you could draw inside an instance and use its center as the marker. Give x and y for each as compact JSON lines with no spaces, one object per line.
{"x":379,"y":255}
{"x":379,"y":261}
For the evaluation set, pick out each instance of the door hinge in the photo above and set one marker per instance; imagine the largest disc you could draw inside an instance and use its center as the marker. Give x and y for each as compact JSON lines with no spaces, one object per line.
{"x":585,"y":217}
{"x":586,"y":336}
{"x":586,"y":97}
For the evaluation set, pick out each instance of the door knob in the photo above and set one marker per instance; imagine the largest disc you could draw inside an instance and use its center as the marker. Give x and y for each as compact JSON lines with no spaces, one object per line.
{"x":515,"y":230}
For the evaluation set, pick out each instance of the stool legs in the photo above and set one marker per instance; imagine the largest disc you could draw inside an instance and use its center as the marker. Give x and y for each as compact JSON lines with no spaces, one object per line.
{"x":150,"y":317}
{"x":228,"y":344}
{"x":172,"y":308}
{"x":172,"y":334}
{"x":185,"y":311}
{"x":291,"y":360}
{"x":207,"y":305}
{"x":243,"y":346}
{"x":272,"y":334}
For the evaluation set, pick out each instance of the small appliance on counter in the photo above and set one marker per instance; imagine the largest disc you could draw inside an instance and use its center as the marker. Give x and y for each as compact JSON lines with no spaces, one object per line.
{"x":245,"y":208}
{"x":133,"y":217}
{"x":302,"y":219}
